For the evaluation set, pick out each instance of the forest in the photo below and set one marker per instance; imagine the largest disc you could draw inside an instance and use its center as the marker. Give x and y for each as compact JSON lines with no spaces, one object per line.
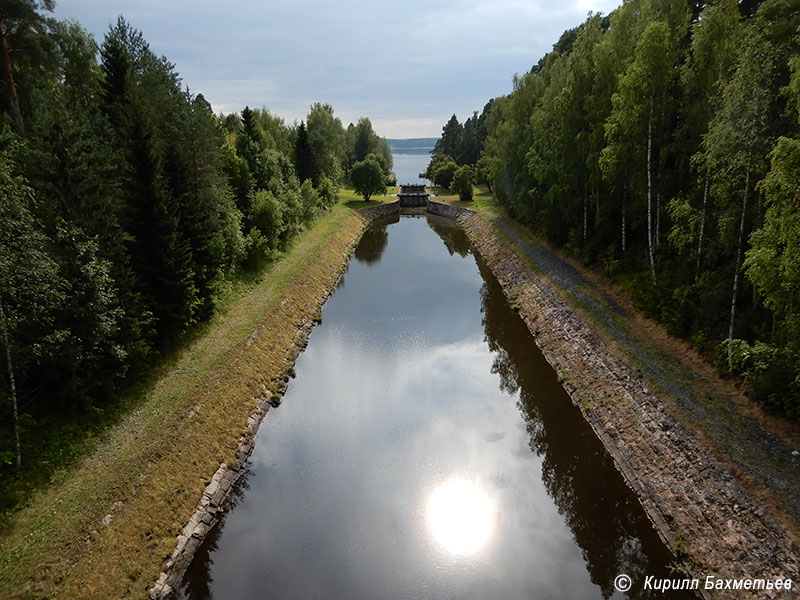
{"x":661,"y":144}
{"x":128,"y":212}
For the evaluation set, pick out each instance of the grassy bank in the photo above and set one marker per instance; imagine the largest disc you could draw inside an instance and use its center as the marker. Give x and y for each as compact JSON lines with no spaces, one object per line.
{"x":352,"y":200}
{"x":103,"y":527}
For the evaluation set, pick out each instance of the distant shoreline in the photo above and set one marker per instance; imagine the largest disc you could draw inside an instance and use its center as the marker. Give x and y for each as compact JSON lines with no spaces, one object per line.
{"x":410,"y":150}
{"x":412,"y":145}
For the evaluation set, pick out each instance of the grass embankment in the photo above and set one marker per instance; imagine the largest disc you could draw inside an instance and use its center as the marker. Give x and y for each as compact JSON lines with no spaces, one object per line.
{"x":150,"y":470}
{"x":482,"y":199}
{"x":350,"y":199}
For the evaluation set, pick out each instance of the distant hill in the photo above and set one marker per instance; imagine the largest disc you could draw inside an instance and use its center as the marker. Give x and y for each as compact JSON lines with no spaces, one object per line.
{"x":412,"y":145}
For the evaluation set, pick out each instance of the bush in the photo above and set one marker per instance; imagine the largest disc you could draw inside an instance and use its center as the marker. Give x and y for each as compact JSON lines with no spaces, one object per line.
{"x":266,"y":217}
{"x":443,"y":172}
{"x":309,"y":201}
{"x":327,"y":192}
{"x":461,"y":183}
{"x":773,"y":373}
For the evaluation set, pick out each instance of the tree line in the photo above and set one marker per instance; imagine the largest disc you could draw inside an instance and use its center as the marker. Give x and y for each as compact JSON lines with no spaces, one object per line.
{"x":455,"y":156}
{"x":663,"y":142}
{"x":127,"y":210}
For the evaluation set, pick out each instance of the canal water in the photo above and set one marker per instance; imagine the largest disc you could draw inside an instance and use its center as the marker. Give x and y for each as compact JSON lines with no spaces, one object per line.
{"x":425,"y":450}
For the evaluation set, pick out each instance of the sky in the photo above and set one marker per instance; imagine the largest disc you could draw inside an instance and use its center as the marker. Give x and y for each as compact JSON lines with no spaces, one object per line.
{"x":406,"y":65}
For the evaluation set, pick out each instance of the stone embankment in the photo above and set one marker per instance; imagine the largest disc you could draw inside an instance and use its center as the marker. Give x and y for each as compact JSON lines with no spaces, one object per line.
{"x":696,"y":504}
{"x":447,"y":210}
{"x":374,"y":213}
{"x":381,"y":211}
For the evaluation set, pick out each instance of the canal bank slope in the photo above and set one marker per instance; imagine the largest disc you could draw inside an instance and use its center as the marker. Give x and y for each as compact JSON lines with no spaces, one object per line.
{"x":700,"y":504}
{"x":105,"y":528}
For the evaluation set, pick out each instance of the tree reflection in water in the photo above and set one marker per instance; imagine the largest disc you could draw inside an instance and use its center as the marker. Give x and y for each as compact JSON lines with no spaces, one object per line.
{"x":454,"y":239}
{"x":370,"y":249}
{"x":602,"y":513}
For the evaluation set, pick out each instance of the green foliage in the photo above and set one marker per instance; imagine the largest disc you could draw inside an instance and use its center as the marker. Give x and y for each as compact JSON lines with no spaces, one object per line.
{"x":126,"y":209}
{"x":368,"y":178}
{"x":362,"y":142}
{"x":274,"y":133}
{"x":451,"y":140}
{"x":686,"y":225}
{"x":773,"y":261}
{"x":462,"y":143}
{"x":379,"y":158}
{"x":32,"y":290}
{"x":641,"y":141}
{"x":327,"y":191}
{"x":773,"y":372}
{"x":266,"y":227}
{"x":326,"y":137}
{"x":462,"y":183}
{"x":302,"y":154}
{"x":28,"y":56}
{"x":310,"y":201}
{"x":442,"y":169}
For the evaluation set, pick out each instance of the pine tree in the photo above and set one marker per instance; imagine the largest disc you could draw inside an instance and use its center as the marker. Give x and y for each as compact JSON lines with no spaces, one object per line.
{"x":302,"y":154}
{"x":451,"y":140}
{"x":23,"y":31}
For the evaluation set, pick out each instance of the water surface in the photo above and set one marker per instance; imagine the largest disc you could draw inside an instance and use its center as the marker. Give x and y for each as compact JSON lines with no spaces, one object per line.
{"x":425,"y":450}
{"x":407,"y":167}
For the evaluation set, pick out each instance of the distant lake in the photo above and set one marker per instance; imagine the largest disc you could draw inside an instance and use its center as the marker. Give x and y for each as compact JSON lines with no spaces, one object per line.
{"x":407,"y":167}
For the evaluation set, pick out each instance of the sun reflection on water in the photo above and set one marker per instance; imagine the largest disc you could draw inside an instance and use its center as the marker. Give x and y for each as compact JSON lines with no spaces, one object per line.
{"x":461,"y":516}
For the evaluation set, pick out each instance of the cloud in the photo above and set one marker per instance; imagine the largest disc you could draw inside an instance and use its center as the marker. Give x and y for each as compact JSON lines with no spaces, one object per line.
{"x":409,"y":64}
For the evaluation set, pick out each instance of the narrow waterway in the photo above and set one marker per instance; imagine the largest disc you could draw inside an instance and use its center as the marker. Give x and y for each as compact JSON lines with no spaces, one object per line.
{"x":425,"y":450}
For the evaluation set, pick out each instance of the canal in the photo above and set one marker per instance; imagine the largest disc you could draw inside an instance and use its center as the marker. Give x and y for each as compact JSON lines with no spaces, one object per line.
{"x":425,"y":449}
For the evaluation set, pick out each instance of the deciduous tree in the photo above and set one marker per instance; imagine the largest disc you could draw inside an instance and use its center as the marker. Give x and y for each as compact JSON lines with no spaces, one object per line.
{"x":368,"y":178}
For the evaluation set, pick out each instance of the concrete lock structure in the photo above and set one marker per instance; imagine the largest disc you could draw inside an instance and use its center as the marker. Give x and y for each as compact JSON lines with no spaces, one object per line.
{"x":413,"y":195}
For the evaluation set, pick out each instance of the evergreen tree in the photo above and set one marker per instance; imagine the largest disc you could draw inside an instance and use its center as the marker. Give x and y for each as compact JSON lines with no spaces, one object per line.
{"x":302,"y":154}
{"x":451,"y":140}
{"x":251,"y":128}
{"x":160,"y":254}
{"x":23,"y":34}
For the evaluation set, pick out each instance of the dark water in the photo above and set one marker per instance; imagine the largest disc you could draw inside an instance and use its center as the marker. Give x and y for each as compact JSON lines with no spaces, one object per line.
{"x":425,"y":450}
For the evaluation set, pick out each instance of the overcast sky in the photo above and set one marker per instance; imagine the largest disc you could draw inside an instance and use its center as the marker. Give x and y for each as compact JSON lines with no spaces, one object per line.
{"x":406,"y":65}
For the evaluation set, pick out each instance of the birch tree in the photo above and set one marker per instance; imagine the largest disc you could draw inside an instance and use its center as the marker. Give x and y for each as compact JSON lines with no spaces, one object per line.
{"x":711,"y":59}
{"x":31,"y":291}
{"x":633,"y":128}
{"x":736,"y":146}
